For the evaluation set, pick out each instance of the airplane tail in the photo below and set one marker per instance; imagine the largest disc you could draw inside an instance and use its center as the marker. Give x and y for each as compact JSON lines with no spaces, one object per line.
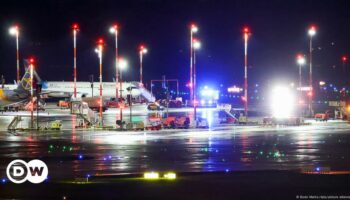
{"x":25,"y":83}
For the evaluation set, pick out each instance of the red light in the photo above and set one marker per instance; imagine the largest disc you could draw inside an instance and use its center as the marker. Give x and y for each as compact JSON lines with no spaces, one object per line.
{"x":299,"y":56}
{"x":312,"y":27}
{"x":309,"y":94}
{"x":100,"y":41}
{"x":243,"y":99}
{"x":31,"y":60}
{"x":246,"y":30}
{"x":75,"y":26}
{"x":344,"y":58}
{"x":142,"y":47}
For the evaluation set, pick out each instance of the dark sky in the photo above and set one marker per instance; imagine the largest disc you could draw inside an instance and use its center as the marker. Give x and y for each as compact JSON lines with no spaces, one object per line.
{"x":278,"y":34}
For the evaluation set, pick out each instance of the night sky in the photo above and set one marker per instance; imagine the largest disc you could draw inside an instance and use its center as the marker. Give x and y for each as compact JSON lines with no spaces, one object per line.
{"x":279,"y":32}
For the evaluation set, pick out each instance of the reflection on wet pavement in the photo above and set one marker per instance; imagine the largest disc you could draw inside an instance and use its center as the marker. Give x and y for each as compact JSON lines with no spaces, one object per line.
{"x":227,"y":148}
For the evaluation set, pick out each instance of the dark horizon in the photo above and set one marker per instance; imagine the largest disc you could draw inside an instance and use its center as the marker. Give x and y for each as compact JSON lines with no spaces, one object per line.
{"x":279,"y":32}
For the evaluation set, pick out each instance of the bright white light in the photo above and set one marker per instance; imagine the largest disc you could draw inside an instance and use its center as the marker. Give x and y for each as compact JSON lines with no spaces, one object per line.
{"x":282,"y":102}
{"x":112,"y":29}
{"x":234,"y":89}
{"x":144,"y":50}
{"x":322,"y":83}
{"x":202,"y":102}
{"x":97,"y":51}
{"x":196,"y":44}
{"x":13,"y":30}
{"x":194,"y":29}
{"x":210,"y":102}
{"x":301,"y":60}
{"x":207,"y":92}
{"x":122,"y":64}
{"x":312,"y":31}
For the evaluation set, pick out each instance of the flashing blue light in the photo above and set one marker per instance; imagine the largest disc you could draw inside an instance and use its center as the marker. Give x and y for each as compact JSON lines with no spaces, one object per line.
{"x":81,"y":157}
{"x":110,"y":157}
{"x":227,"y":170}
{"x":3,"y":180}
{"x":317,"y":169}
{"x":87,"y":175}
{"x":104,"y":158}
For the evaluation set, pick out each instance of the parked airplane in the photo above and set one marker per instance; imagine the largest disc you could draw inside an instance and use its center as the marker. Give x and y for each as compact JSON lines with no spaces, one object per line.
{"x":11,"y":95}
{"x":84,"y":89}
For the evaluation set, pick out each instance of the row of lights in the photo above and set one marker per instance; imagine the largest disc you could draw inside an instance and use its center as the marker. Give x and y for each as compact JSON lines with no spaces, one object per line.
{"x":155,"y":175}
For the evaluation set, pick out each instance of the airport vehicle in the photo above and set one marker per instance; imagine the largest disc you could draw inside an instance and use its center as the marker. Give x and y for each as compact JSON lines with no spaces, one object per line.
{"x":112,"y":103}
{"x":63,"y":104}
{"x":176,"y":122}
{"x":136,"y":126}
{"x":32,"y":106}
{"x":202,"y":123}
{"x":170,"y":103}
{"x":321,"y":116}
{"x":226,"y":117}
{"x":155,"y":106}
{"x":154,"y":123}
{"x":208,"y":97}
{"x":94,"y":103}
{"x":242,"y":119}
{"x":56,"y":125}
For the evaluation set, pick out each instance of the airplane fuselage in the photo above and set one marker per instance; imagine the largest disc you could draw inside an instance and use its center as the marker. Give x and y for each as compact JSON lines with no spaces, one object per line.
{"x":84,"y":89}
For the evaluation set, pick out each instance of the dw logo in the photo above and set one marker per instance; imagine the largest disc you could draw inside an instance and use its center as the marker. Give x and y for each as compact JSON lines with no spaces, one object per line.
{"x":35,"y":171}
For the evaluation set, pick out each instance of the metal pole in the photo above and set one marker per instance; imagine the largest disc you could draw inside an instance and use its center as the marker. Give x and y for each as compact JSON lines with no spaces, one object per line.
{"x":130,"y":105}
{"x":75,"y":61}
{"x":121,"y":99}
{"x":300,"y":93}
{"x":92,"y":84}
{"x":167,"y":100}
{"x":310,"y":80}
{"x":152,"y":87}
{"x":116,"y":69}
{"x":37,"y":109}
{"x":191,"y":70}
{"x":246,"y":74}
{"x":31,"y":97}
{"x":17,"y":55}
{"x":194,"y":87}
{"x":141,"y":67}
{"x":177,"y":88}
{"x":101,"y":98}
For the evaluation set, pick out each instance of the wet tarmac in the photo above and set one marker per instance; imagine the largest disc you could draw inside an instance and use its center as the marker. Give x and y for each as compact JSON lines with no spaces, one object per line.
{"x":76,"y":153}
